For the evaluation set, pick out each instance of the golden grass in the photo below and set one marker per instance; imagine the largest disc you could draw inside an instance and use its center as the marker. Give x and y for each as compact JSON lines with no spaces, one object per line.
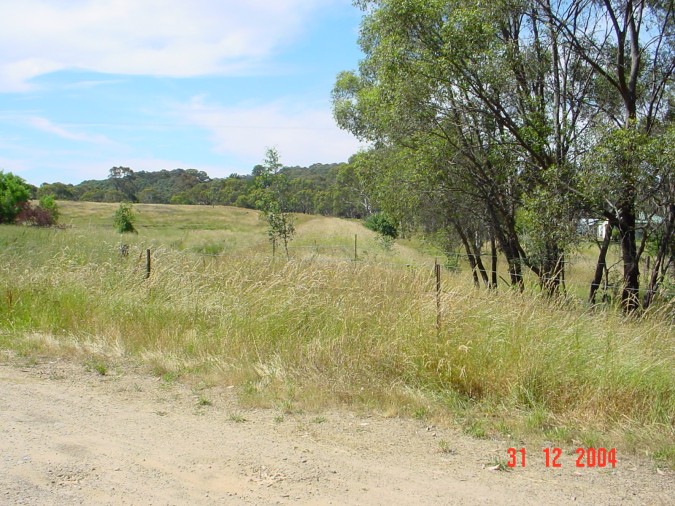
{"x":320,"y":330}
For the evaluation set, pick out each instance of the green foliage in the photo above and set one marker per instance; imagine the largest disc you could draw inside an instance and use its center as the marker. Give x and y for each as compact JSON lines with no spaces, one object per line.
{"x":272,"y":197}
{"x":60,"y":191}
{"x":124,"y":218}
{"x":383,"y":224}
{"x":498,"y":119}
{"x":14,"y":194}
{"x":124,"y":181}
{"x":49,"y":205}
{"x":327,"y":189}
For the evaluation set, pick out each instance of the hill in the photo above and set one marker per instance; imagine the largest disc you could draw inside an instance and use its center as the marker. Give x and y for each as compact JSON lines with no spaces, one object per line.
{"x":327,"y":189}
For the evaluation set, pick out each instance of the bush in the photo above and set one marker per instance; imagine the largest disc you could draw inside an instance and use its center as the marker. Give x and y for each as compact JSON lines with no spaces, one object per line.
{"x":124,"y":219}
{"x":48,"y":204}
{"x":382,"y":224}
{"x":14,"y":194}
{"x":36,"y":216}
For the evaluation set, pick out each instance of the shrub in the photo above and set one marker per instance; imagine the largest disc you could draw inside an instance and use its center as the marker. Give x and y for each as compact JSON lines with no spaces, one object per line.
{"x":383,"y":224}
{"x":48,"y":204}
{"x":36,"y":216}
{"x":124,"y":219}
{"x":14,"y":194}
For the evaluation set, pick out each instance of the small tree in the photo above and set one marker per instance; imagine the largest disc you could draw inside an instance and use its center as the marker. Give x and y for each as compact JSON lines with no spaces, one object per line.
{"x":48,"y":204}
{"x":14,"y":195}
{"x":271,"y":198}
{"x":124,"y":218}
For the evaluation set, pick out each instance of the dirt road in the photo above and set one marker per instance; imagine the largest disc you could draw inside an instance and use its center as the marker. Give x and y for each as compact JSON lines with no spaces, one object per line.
{"x":72,"y":436}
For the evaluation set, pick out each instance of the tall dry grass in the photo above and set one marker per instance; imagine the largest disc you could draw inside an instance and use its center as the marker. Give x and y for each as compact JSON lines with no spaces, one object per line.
{"x":313,"y":332}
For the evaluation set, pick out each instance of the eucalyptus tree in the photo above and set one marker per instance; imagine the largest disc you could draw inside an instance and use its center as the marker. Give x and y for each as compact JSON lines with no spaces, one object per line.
{"x":630,"y":46}
{"x":124,"y":181}
{"x":412,"y":188}
{"x":492,"y":82}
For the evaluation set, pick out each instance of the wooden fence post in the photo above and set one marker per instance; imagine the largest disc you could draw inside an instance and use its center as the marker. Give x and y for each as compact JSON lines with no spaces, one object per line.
{"x":148,"y":263}
{"x":437,"y":269}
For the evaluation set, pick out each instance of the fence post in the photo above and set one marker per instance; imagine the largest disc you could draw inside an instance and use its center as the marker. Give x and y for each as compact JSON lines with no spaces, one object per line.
{"x":437,"y":269}
{"x":148,"y":263}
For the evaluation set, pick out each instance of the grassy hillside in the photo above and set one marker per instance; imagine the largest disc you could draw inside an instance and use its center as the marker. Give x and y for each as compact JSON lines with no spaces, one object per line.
{"x":233,"y":230}
{"x":320,"y":329}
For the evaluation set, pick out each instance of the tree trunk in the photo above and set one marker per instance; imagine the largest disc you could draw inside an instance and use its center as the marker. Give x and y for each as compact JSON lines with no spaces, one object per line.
{"x":664,"y":249}
{"x":507,"y":238}
{"x":475,"y":261}
{"x":629,"y":254}
{"x":493,"y":255}
{"x":551,"y":270}
{"x":602,"y":262}
{"x":479,"y":264}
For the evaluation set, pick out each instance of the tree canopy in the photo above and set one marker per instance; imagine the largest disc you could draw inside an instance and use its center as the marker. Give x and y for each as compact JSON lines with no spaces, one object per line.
{"x":505,"y":108}
{"x":14,"y":194}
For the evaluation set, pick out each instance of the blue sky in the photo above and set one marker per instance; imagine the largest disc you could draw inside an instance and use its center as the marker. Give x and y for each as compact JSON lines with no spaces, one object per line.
{"x":86,"y":85}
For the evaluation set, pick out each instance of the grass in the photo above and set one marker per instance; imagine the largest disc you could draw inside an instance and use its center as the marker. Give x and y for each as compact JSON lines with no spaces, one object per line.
{"x":203,"y":401}
{"x":445,"y":447}
{"x":320,"y":330}
{"x":97,"y":366}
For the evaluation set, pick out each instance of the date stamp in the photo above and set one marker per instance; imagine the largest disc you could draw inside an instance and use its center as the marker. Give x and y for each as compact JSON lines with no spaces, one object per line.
{"x":585,"y":457}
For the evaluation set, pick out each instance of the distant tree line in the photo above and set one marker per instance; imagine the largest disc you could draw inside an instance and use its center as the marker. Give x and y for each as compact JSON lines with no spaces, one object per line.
{"x":326,"y":189}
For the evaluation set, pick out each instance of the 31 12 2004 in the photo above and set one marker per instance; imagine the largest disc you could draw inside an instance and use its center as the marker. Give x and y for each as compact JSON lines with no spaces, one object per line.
{"x":585,"y":457}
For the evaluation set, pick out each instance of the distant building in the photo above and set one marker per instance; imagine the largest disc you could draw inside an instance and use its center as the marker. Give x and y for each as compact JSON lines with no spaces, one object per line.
{"x":591,"y":227}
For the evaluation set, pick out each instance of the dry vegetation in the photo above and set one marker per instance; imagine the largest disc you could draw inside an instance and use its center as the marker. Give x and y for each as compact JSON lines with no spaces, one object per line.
{"x":320,"y":329}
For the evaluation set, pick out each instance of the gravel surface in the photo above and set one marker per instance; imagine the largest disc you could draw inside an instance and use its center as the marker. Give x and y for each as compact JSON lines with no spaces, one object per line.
{"x":72,"y":436}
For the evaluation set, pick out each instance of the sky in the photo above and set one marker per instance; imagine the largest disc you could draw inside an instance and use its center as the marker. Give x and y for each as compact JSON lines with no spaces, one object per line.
{"x":86,"y":85}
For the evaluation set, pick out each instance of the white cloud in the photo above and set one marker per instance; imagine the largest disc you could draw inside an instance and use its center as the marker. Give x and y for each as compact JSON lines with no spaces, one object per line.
{"x":13,"y":165}
{"x":44,"y":125}
{"x":173,"y":38}
{"x":303,"y":133}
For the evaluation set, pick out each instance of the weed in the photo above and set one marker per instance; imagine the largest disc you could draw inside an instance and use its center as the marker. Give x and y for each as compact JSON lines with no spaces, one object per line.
{"x":97,"y":366}
{"x":498,"y":464}
{"x":170,"y":377}
{"x":203,"y":401}
{"x":560,"y":434}
{"x":591,"y":439}
{"x":444,"y":447}
{"x":504,"y":429}
{"x":666,"y":455}
{"x":237,"y":418}
{"x":475,"y":429}
{"x":420,"y":413}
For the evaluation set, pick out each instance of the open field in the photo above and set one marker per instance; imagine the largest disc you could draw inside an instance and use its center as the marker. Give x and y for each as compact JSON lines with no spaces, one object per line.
{"x":319,"y":331}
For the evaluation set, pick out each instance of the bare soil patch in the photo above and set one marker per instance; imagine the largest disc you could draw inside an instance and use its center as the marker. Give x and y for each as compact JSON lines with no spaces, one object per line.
{"x":72,"y":436}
